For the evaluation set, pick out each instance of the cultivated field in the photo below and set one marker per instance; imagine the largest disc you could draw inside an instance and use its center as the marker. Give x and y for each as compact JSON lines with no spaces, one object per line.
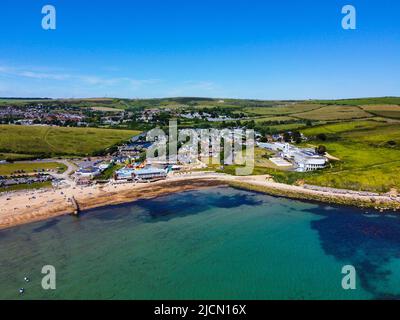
{"x":347,"y":126}
{"x":387,"y":111}
{"x":285,"y":109}
{"x":274,"y":119}
{"x":334,"y":113}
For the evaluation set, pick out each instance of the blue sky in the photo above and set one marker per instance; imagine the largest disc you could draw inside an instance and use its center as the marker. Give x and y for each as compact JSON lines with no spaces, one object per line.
{"x":266,"y":49}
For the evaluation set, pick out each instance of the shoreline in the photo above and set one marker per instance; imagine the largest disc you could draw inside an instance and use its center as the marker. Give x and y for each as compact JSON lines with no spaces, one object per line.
{"x":53,"y":203}
{"x":31,"y":206}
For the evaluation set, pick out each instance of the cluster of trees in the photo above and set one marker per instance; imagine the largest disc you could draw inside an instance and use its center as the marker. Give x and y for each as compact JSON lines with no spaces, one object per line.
{"x":292,"y":136}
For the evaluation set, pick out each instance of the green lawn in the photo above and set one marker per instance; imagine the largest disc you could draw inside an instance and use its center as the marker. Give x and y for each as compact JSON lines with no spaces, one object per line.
{"x":17,"y":168}
{"x":36,"y":185}
{"x":59,"y":140}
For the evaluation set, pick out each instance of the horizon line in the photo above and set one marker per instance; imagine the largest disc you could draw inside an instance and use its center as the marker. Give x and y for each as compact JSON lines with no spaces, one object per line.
{"x":191,"y":97}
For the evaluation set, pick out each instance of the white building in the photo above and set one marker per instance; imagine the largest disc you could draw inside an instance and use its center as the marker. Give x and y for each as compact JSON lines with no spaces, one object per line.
{"x":305,"y":159}
{"x":149,"y":174}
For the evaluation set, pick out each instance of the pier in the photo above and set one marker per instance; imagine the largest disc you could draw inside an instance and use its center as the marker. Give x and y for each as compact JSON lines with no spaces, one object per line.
{"x":76,"y":206}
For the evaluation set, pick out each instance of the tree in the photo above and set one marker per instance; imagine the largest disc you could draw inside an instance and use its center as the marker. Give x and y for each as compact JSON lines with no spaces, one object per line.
{"x":296,"y":136}
{"x":320,"y":150}
{"x":321,"y":136}
{"x":287,"y":137}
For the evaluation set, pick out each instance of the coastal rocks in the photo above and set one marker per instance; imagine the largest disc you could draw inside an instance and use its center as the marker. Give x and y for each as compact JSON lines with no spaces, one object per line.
{"x":393,"y":193}
{"x":322,"y":194}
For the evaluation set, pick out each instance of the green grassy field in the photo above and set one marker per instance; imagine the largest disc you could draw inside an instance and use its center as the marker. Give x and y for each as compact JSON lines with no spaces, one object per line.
{"x":109,"y":172}
{"x":368,"y":162}
{"x":362,"y":101}
{"x":31,"y":186}
{"x":30,"y":167}
{"x":59,"y":140}
{"x":362,"y":167}
{"x":341,"y":127}
{"x":386,"y":111}
{"x":15,"y":156}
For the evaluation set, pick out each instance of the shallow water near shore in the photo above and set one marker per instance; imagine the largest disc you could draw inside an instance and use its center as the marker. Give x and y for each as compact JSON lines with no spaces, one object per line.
{"x":217,"y":243}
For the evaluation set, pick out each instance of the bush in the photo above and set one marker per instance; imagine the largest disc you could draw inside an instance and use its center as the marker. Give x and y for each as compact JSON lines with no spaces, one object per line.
{"x":321,"y":136}
{"x":320,"y":150}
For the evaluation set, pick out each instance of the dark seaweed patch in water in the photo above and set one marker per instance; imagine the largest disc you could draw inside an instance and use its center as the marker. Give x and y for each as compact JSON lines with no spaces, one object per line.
{"x":190,"y":203}
{"x":368,"y":242}
{"x":109,"y":213}
{"x":46,"y":225}
{"x":171,"y":206}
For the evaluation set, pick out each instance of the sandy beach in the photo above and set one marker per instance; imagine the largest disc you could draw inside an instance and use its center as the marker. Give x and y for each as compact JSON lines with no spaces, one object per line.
{"x":28,"y":206}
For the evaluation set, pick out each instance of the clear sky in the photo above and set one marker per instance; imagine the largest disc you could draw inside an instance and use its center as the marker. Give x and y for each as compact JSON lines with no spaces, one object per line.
{"x":269,"y":49}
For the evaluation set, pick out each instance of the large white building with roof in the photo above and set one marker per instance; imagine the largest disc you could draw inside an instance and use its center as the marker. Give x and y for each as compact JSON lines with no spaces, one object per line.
{"x":305,"y":159}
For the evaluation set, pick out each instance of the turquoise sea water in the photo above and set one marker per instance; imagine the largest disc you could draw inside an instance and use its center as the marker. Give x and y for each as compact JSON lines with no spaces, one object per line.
{"x":219,"y":243}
